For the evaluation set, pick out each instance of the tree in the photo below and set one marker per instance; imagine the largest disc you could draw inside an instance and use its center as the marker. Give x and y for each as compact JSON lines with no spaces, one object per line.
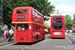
{"x":43,"y":6}
{"x":68,"y":20}
{"x":46,"y":25}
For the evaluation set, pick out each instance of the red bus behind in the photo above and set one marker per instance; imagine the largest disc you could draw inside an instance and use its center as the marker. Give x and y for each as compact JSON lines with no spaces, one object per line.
{"x":57,"y":27}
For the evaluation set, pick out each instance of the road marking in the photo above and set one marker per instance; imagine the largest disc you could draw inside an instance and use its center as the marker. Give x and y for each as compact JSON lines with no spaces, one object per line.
{"x":69,"y":39}
{"x":26,"y":47}
{"x":73,"y":44}
{"x":21,"y":49}
{"x":1,"y":39}
{"x":45,"y":40}
{"x":6,"y":45}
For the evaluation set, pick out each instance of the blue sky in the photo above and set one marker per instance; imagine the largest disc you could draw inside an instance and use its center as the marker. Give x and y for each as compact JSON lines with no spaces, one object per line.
{"x":66,"y":7}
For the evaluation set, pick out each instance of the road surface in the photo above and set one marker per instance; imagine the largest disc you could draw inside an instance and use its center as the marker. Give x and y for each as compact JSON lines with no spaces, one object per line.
{"x":47,"y":44}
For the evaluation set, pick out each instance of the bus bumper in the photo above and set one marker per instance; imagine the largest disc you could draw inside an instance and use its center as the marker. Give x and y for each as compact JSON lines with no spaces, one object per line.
{"x":57,"y":36}
{"x":23,"y":39}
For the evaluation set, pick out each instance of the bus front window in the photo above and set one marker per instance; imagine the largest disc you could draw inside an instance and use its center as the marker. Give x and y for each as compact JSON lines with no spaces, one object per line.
{"x":22,"y":26}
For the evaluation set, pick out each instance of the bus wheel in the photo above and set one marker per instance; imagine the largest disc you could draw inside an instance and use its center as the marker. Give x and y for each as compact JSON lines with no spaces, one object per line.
{"x":36,"y":38}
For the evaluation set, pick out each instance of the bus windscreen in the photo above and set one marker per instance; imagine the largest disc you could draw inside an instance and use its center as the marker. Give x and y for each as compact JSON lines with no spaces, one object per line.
{"x":57,"y":26}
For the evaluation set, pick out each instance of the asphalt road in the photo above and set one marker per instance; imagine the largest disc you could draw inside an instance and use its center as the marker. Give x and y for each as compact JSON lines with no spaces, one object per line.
{"x":47,"y":44}
{"x":71,"y":38}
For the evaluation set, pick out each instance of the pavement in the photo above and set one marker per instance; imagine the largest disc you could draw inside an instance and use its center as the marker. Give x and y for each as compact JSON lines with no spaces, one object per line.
{"x":3,"y":41}
{"x":47,"y":44}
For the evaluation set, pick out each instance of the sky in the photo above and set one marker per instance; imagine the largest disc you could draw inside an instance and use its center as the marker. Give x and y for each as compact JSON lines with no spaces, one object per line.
{"x":66,"y":7}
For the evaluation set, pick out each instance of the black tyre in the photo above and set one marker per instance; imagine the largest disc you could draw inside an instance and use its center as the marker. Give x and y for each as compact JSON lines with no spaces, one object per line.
{"x":36,"y":38}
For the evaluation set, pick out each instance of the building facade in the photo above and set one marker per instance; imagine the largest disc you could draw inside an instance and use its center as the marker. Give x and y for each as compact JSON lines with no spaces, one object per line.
{"x":1,"y":11}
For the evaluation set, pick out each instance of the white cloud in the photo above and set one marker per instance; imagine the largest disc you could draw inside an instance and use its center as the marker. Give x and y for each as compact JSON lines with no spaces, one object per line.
{"x":58,"y":0}
{"x":52,"y":0}
{"x":66,"y":0}
{"x":65,"y":9}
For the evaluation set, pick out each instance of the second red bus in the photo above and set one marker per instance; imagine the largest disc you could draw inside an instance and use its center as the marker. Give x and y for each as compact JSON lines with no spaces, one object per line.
{"x":57,"y":26}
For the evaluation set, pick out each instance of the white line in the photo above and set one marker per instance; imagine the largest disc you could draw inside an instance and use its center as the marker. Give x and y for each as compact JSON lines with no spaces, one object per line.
{"x":26,"y":47}
{"x":45,"y":40}
{"x":21,"y":49}
{"x":69,"y":39}
{"x":1,"y":39}
{"x":6,"y":45}
{"x":73,"y":44}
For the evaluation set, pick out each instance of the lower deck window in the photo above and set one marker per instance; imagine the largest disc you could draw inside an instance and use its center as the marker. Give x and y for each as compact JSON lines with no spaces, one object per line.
{"x":36,"y":27}
{"x":22,"y":26}
{"x":57,"y":26}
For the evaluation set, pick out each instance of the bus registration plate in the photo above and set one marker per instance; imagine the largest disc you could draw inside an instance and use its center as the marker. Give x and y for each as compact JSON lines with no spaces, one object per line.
{"x":57,"y":33}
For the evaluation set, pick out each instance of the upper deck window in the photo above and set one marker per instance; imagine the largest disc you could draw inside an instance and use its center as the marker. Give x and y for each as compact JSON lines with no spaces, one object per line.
{"x":21,"y":11}
{"x":57,"y":18}
{"x":36,"y":14}
{"x":39,"y":16}
{"x":33,"y":13}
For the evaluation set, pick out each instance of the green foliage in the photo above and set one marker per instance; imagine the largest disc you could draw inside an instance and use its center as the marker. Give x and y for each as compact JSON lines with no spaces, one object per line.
{"x":68,"y":20}
{"x":43,"y":6}
{"x":46,"y":25}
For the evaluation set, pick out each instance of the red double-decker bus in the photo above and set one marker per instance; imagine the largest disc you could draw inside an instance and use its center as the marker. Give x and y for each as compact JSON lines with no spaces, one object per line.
{"x":29,"y":25}
{"x":57,"y":26}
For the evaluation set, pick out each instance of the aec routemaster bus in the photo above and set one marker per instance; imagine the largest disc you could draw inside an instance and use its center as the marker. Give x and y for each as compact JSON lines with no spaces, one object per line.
{"x":57,"y":26}
{"x":29,"y":25}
